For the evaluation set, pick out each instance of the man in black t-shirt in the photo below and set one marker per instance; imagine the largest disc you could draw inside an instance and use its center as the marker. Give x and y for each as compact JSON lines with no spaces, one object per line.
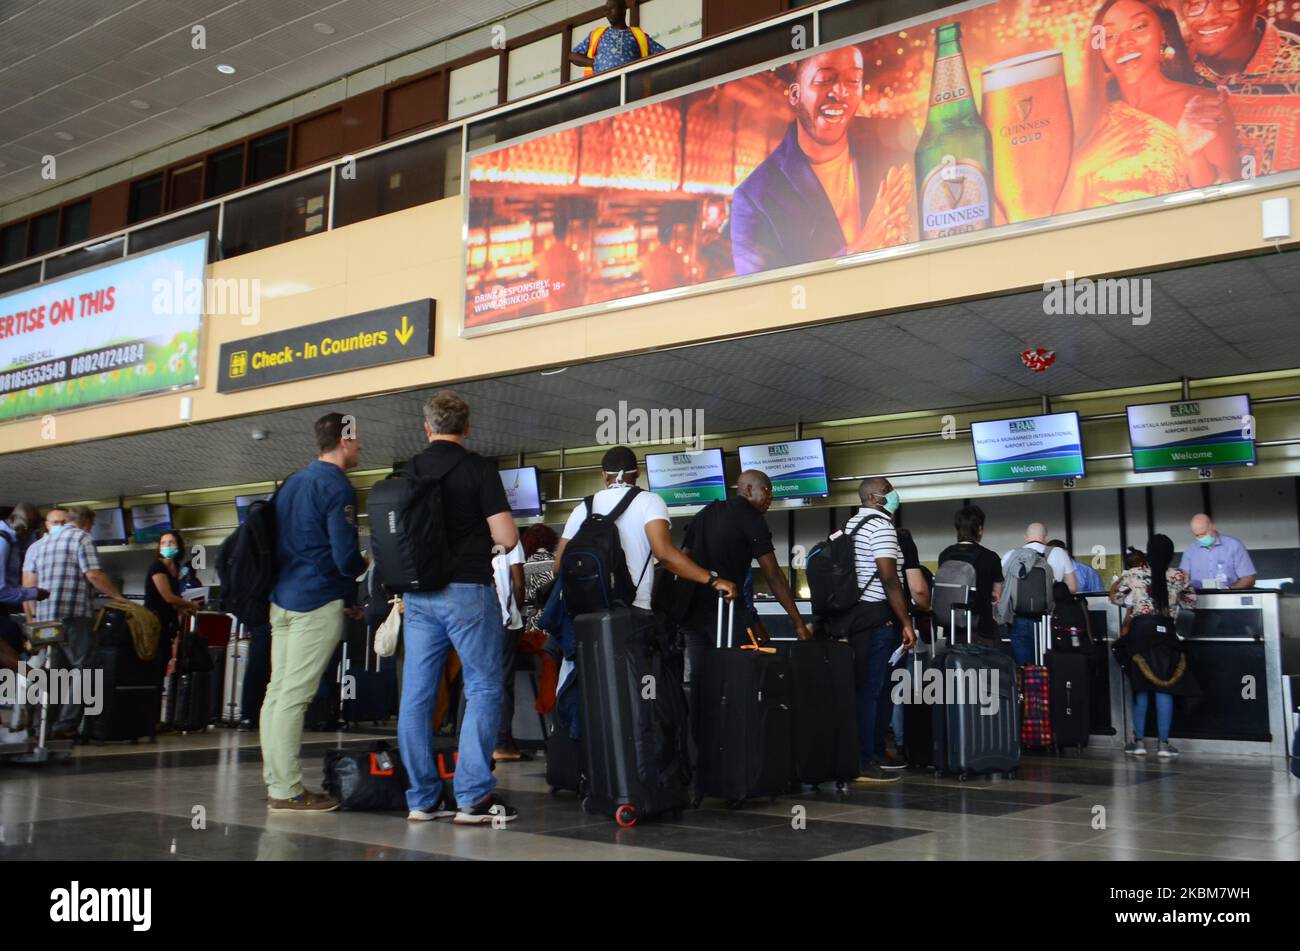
{"x":725,"y":537}
{"x":969,"y":522}
{"x":466,"y":616}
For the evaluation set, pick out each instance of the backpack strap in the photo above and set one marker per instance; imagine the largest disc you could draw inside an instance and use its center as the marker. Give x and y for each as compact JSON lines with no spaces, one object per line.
{"x":642,"y":41}
{"x":593,"y":43}
{"x":623,"y":503}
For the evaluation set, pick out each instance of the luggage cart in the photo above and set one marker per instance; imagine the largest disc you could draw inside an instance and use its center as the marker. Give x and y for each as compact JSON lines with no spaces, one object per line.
{"x":36,"y":747}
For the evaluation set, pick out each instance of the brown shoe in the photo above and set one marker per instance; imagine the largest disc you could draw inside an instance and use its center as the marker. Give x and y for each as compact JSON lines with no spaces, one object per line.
{"x":306,"y":801}
{"x":506,"y":755}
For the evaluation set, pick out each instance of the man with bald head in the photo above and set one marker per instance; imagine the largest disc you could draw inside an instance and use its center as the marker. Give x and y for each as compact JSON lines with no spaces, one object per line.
{"x":726,"y":537}
{"x":1216,"y":560}
{"x":1062,"y":569}
{"x":839,"y":183}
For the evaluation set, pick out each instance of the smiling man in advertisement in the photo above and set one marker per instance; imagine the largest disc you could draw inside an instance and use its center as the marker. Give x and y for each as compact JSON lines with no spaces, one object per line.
{"x":838,"y":184}
{"x":1235,"y":48}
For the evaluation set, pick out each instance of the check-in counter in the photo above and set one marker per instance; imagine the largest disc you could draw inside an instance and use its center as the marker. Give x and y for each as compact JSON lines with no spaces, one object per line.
{"x":1243,"y":647}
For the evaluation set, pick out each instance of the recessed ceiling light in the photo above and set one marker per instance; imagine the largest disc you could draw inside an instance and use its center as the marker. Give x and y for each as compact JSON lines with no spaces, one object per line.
{"x":138,"y":104}
{"x":64,"y":136}
{"x":226,"y":68}
{"x":323,"y":28}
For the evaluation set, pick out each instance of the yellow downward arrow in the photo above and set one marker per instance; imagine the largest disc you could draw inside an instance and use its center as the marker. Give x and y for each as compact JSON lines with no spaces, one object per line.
{"x":404,"y":334}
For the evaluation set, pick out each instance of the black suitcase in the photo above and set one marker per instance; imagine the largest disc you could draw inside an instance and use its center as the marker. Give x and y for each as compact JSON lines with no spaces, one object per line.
{"x":1067,"y":673}
{"x":918,"y":718}
{"x":193,"y":685}
{"x":966,"y":740}
{"x":634,"y":729}
{"x":1071,"y":628}
{"x":825,"y":722}
{"x":131,"y":691}
{"x":370,"y":695}
{"x":746,"y":731}
{"x":563,"y":759}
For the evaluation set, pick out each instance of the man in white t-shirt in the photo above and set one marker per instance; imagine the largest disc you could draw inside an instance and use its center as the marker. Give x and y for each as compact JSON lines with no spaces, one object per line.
{"x":1058,"y":559}
{"x":508,"y":577}
{"x":643,"y":528}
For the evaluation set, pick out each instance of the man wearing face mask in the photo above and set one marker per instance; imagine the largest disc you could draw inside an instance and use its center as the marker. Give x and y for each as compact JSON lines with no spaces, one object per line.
{"x":726,"y":537}
{"x":1216,"y":561}
{"x":839,"y":183}
{"x":67,"y":563}
{"x":14,"y":531}
{"x":880,"y":622}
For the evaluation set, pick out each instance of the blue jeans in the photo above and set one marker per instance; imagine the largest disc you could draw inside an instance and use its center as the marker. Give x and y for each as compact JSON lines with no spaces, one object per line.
{"x":1164,"y":713}
{"x":1022,"y":640}
{"x":468,"y":618}
{"x":874,"y":706}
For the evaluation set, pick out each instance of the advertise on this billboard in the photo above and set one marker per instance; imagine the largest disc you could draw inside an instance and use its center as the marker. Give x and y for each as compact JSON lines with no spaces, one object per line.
{"x":1004,"y":113}
{"x":522,"y":491}
{"x":117,"y":331}
{"x":1032,"y":447}
{"x":1192,"y":434}
{"x":797,"y":468}
{"x":686,"y":478}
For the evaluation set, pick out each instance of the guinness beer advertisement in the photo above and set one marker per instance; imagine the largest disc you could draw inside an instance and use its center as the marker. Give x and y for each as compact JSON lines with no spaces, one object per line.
{"x":1000,"y":114}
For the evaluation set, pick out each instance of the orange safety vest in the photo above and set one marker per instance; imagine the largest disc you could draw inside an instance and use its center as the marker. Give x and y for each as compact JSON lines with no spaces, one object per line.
{"x":642,"y":42}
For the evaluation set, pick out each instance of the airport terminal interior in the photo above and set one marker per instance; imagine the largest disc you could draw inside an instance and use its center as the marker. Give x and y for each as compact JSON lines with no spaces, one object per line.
{"x":952,"y":246}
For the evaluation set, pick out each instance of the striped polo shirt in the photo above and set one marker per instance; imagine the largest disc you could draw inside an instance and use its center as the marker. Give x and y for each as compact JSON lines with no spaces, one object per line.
{"x":877,"y":539}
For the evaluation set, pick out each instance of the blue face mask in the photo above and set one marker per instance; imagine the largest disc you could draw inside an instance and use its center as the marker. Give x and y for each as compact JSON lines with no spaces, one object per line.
{"x":1205,"y":541}
{"x":892,"y":501}
{"x":55,"y":529}
{"x":169,"y":552}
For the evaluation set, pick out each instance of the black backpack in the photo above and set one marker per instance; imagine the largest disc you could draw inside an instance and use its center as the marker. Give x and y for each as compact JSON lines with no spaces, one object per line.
{"x":832,"y":573}
{"x":408,"y":529}
{"x":594,"y":573}
{"x":248,"y":565}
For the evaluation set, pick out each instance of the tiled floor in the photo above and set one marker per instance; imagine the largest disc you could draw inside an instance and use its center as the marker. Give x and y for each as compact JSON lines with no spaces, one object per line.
{"x":201,"y":797}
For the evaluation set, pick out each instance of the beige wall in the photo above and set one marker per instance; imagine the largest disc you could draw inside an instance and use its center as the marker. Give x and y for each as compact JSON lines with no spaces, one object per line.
{"x":416,"y":253}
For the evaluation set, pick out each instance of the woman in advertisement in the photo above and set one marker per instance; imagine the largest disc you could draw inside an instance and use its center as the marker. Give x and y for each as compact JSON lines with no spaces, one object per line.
{"x":1145,"y":129}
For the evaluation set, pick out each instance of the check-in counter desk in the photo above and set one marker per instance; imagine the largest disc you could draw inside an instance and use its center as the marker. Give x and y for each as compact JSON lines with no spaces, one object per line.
{"x":1243,"y":647}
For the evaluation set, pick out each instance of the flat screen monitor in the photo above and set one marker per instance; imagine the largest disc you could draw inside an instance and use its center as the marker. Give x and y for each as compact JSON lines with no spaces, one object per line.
{"x":109,"y":527}
{"x":686,"y":478}
{"x":1192,"y":434}
{"x":148,"y":522}
{"x":242,"y":502}
{"x":1028,"y":448}
{"x":522,"y":490}
{"x":797,"y":468}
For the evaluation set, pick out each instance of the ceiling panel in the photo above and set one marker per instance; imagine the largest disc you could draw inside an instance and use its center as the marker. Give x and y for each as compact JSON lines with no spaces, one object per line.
{"x":64,"y":60}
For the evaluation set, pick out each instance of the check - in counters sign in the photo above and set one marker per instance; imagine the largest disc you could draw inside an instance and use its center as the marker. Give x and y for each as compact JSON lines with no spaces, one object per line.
{"x":373,"y":338}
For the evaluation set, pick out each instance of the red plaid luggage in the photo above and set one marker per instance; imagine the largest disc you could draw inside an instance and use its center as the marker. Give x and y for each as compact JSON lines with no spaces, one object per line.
{"x":1036,"y":698}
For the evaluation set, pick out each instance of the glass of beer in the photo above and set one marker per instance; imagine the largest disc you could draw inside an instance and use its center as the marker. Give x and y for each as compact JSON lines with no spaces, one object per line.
{"x":1027,"y":111}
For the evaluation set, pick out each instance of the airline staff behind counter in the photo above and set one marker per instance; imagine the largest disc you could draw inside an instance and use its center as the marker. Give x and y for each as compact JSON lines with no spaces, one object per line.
{"x":1216,"y":561}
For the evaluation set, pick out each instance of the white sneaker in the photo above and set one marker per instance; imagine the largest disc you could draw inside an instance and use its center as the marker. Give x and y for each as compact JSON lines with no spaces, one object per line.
{"x":440,"y":811}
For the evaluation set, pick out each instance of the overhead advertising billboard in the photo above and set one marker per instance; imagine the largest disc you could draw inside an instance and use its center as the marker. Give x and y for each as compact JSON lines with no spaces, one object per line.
{"x":686,"y":478}
{"x":120,"y":330}
{"x":1192,"y":434}
{"x":1032,"y":447}
{"x":989,"y":118}
{"x":797,"y":468}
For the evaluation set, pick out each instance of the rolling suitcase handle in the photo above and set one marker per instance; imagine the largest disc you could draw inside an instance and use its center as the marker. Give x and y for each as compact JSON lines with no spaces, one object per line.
{"x":731,"y":620}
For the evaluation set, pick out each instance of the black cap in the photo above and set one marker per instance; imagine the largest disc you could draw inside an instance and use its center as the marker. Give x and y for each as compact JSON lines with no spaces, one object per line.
{"x":618,"y":459}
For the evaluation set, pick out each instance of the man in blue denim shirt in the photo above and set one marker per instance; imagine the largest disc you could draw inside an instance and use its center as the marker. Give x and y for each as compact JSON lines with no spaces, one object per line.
{"x":316,"y":528}
{"x":464,"y":616}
